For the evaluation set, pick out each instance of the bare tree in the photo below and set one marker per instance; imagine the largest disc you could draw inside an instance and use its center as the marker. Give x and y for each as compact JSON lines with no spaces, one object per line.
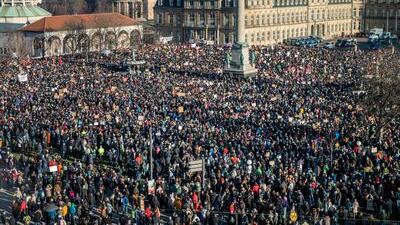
{"x":19,"y":45}
{"x":74,"y":27}
{"x":381,"y":101}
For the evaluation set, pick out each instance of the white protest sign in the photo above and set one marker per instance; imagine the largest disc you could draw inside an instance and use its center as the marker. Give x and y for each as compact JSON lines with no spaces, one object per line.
{"x":23,"y":77}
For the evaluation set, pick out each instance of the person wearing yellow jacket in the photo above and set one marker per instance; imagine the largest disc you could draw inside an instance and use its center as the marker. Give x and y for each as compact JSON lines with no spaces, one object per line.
{"x":101,"y":151}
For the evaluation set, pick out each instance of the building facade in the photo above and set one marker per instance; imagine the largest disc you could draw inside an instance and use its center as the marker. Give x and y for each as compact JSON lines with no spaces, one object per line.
{"x":134,"y":9}
{"x":15,"y":14}
{"x":382,"y":14}
{"x":266,"y":21}
{"x":70,"y":34}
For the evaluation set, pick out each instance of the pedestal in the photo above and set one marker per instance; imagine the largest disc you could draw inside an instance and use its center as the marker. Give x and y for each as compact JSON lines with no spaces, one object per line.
{"x":134,"y":64}
{"x":240,"y":64}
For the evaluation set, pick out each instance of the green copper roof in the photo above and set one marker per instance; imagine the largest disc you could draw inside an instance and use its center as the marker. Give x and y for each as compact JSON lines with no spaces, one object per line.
{"x":23,"y":11}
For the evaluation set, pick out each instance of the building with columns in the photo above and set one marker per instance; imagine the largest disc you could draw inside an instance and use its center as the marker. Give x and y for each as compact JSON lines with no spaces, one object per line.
{"x":382,"y":14}
{"x":266,"y":21}
{"x":134,"y":8}
{"x":70,"y":34}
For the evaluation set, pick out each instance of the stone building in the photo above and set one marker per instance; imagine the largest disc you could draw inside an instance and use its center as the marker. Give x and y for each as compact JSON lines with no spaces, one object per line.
{"x":134,"y":8}
{"x":69,"y":34}
{"x":266,"y":21}
{"x":15,"y":14}
{"x":382,"y":14}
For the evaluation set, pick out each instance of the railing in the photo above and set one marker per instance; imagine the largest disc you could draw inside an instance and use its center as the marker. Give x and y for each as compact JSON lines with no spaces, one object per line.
{"x":20,"y":2}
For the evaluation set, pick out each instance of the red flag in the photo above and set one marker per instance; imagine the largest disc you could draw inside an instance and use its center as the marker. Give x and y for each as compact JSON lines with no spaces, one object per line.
{"x":60,"y":62}
{"x":309,"y":69}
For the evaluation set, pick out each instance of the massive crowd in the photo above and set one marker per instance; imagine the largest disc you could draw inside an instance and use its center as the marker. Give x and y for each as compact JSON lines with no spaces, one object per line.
{"x":292,"y":139}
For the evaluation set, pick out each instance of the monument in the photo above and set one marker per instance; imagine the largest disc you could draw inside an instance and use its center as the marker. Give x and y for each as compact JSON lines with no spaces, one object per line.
{"x":133,"y":64}
{"x":238,"y":63}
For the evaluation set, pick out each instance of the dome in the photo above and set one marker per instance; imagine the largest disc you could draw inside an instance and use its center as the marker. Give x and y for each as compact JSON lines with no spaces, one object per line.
{"x":21,"y":14}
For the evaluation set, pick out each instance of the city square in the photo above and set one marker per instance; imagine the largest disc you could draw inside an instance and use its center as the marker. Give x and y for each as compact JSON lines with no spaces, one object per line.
{"x":97,"y":126}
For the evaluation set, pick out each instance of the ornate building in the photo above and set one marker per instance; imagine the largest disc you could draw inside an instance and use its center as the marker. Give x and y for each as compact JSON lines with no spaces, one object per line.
{"x":266,"y":21}
{"x":134,"y":8}
{"x":382,"y":14}
{"x":69,"y":34}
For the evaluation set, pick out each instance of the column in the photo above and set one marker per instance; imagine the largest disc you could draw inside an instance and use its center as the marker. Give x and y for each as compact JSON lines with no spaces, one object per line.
{"x":240,"y":21}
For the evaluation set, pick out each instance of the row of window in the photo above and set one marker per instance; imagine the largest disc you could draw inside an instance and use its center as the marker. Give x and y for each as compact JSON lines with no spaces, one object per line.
{"x":278,"y":35}
{"x":383,"y":1}
{"x":295,"y":17}
{"x":3,"y":51}
{"x":383,"y":12}
{"x":228,"y":20}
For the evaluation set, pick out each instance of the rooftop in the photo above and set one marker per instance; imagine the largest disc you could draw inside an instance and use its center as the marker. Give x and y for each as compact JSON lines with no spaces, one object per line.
{"x":79,"y":22}
{"x":22,"y":11}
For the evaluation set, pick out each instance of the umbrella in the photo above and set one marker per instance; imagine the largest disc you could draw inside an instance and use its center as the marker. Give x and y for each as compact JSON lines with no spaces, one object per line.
{"x":50,"y":208}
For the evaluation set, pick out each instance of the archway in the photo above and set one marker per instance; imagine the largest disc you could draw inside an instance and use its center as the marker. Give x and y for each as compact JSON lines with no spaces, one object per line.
{"x":96,"y":41}
{"x":135,"y":38}
{"x":55,"y":47}
{"x":111,"y":40}
{"x":38,"y":47}
{"x":123,"y":40}
{"x":83,"y":43}
{"x":69,"y":44}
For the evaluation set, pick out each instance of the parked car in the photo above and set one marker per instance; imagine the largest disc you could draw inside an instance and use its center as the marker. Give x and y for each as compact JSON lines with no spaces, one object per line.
{"x":329,"y":45}
{"x":350,"y":42}
{"x":340,"y":43}
{"x":311,"y":43}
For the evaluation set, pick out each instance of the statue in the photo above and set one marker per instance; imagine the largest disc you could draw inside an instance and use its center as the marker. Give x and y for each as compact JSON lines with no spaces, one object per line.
{"x":252,"y":58}
{"x":228,"y":59}
{"x":241,"y":59}
{"x":133,"y":55}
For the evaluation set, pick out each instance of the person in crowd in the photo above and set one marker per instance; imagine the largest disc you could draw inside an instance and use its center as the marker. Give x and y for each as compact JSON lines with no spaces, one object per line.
{"x":76,"y":139}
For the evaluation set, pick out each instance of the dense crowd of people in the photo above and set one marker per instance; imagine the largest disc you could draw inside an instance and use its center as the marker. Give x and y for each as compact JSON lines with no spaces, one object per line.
{"x":291,"y":140}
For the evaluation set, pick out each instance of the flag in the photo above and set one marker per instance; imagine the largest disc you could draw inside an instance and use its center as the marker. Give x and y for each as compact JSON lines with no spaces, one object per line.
{"x":308,"y":69}
{"x":60,"y":62}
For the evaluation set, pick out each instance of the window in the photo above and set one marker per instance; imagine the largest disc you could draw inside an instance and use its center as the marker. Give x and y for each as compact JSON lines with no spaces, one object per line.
{"x":202,"y":19}
{"x":212,"y":4}
{"x":191,"y":4}
{"x":191,"y":19}
{"x":159,"y":18}
{"x":171,"y":19}
{"x":212,"y":19}
{"x":201,"y":3}
{"x":226,"y":20}
{"x":178,"y":19}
